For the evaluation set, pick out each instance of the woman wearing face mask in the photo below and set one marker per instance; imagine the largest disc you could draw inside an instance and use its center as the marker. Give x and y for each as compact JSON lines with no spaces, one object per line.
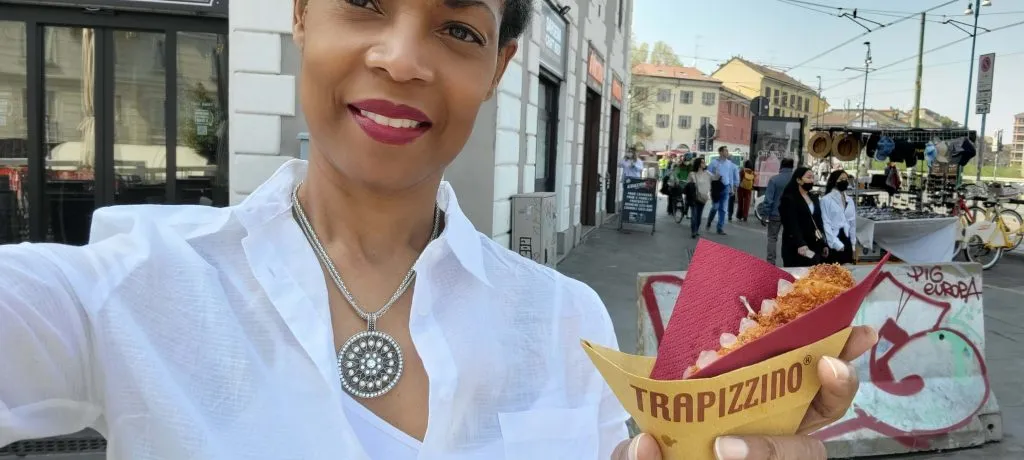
{"x":347,"y":308}
{"x":803,"y":241}
{"x":839,"y":216}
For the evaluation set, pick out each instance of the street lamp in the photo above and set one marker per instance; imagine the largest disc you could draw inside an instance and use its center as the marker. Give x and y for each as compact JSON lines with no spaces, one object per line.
{"x":974,"y":10}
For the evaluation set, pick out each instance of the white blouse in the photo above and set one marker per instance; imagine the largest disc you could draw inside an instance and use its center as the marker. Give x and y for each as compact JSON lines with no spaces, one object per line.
{"x":835,"y":216}
{"x":190,"y":332}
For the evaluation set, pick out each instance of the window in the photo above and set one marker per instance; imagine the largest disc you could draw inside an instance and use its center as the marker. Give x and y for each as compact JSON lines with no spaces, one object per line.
{"x":621,"y":12}
{"x":709,"y":98}
{"x":158,"y":55}
{"x":705,"y":121}
{"x":662,"y":121}
{"x":685,"y":121}
{"x":775,"y":100}
{"x":800,"y":103}
{"x":777,"y":112}
{"x":639,"y":118}
{"x":792,"y":101}
{"x":642,"y":93}
{"x":686,"y":97}
{"x":664,"y":95}
{"x":767,"y":92}
{"x":785,"y":99}
{"x":807,"y":105}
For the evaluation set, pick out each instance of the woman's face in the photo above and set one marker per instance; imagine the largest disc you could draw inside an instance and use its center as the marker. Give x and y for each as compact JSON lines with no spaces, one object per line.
{"x":391,"y":88}
{"x":807,"y":178}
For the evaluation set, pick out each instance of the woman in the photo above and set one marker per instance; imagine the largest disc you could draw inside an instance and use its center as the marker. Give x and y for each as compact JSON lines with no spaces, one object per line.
{"x":700,"y":194}
{"x":746,"y":190}
{"x":273,"y":329}
{"x":839,"y":216}
{"x":803,"y":243}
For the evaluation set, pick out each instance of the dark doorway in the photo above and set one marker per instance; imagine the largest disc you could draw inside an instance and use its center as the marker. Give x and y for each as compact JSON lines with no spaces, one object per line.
{"x":125,"y":108}
{"x":613,"y":162}
{"x":547,"y":135}
{"x":591,"y":146}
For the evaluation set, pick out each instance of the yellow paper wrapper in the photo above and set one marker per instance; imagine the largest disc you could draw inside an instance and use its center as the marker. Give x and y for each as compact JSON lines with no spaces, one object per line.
{"x":685,"y":416}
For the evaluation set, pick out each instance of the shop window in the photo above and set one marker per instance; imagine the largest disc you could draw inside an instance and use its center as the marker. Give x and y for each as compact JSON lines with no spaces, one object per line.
{"x":547,"y":134}
{"x":664,"y":95}
{"x":709,"y":98}
{"x":685,"y":121}
{"x":662,"y":121}
{"x":686,"y":97}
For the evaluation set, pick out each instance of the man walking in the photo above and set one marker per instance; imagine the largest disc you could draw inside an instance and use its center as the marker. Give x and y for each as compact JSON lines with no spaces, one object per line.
{"x":724,"y":170}
{"x":773,"y":192}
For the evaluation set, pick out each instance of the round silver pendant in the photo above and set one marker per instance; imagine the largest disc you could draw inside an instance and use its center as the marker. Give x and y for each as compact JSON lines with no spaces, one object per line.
{"x":370,"y":364}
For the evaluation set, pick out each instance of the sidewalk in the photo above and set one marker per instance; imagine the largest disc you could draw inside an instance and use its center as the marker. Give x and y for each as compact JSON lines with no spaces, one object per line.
{"x":609,"y":261}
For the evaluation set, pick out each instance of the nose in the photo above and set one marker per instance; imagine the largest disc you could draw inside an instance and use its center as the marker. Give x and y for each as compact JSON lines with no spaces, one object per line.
{"x":403,"y":54}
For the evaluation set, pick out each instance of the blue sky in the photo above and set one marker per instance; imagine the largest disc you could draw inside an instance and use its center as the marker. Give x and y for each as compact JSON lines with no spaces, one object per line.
{"x":782,"y":35}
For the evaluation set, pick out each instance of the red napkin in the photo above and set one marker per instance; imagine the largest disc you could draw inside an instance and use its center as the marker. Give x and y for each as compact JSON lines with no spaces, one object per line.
{"x":710,"y":306}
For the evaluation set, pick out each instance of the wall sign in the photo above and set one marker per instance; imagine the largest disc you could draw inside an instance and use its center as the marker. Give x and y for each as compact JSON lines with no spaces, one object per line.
{"x":595,"y":70}
{"x":616,"y":89}
{"x":552,"y":53}
{"x":216,"y":8}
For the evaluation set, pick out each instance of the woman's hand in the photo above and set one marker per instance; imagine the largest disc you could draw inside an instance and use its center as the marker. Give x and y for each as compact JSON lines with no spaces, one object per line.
{"x":806,"y":252}
{"x":838,"y":387}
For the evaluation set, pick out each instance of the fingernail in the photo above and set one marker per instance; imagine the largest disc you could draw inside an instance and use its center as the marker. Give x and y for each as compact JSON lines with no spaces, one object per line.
{"x":731,"y":449}
{"x":634,"y":446}
{"x":840,"y":370}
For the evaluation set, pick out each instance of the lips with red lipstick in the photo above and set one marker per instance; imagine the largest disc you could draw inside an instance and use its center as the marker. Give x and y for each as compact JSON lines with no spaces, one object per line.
{"x":390,"y":123}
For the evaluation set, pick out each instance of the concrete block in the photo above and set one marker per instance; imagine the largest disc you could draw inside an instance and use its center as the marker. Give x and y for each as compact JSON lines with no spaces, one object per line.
{"x":257,"y":52}
{"x":263,"y":94}
{"x":256,"y":134}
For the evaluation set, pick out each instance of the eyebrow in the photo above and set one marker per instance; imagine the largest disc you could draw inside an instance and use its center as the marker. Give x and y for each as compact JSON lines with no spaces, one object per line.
{"x":463,"y":4}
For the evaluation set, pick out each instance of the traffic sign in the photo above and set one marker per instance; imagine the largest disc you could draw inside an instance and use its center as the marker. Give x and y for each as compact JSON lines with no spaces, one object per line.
{"x":983,"y":109}
{"x":984,"y":97}
{"x":986,"y":72}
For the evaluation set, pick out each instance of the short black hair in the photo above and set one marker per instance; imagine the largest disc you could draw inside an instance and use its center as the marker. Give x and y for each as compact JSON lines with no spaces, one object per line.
{"x":786,"y":163}
{"x":515,"y":18}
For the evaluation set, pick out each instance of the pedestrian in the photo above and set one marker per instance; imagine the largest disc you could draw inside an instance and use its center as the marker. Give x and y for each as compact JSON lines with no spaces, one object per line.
{"x":772,"y":197}
{"x":676,"y":179}
{"x":211,"y":333}
{"x":724,"y":171}
{"x":745,"y":191}
{"x":699,"y":191}
{"x":803,"y":242}
{"x":839,"y":216}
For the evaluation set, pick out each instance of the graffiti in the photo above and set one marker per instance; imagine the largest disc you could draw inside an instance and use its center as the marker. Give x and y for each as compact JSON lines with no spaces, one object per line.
{"x":926,"y":377}
{"x":935,"y":283}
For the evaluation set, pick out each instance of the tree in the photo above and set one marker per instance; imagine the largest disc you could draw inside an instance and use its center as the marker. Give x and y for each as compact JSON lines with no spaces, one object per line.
{"x":639,"y":52}
{"x":663,"y":54}
{"x":202,"y":119}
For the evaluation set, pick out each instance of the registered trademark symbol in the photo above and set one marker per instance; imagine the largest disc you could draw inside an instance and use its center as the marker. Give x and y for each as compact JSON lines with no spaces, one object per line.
{"x":807,"y":360}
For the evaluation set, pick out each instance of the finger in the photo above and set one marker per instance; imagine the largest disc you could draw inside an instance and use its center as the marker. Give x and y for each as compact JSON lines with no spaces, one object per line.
{"x":769,"y":448}
{"x":861,"y":339}
{"x":838,"y":388}
{"x":642,"y":447}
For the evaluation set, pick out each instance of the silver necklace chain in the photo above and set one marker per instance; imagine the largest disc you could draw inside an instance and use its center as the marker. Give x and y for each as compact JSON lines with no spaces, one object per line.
{"x":370,"y":363}
{"x":321,"y":253}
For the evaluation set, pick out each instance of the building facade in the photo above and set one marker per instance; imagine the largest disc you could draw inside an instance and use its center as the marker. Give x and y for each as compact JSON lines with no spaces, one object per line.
{"x":554,"y":125}
{"x":1017,"y":142}
{"x":676,"y":103}
{"x":734,"y":121}
{"x":786,"y":96}
{"x":121,"y":103}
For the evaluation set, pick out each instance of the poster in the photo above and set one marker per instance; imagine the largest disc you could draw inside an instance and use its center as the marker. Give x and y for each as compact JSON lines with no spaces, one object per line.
{"x":774,"y":139}
{"x":639,"y":201}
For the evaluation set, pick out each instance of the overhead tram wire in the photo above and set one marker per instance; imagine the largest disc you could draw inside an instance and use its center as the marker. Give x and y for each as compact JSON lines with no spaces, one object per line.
{"x":862,"y":35}
{"x":914,"y":56}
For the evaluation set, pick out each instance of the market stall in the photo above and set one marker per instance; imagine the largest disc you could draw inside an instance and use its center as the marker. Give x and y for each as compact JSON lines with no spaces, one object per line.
{"x":894,"y":212}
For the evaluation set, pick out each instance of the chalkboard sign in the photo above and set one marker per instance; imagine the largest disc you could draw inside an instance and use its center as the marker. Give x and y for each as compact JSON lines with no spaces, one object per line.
{"x":639,"y":201}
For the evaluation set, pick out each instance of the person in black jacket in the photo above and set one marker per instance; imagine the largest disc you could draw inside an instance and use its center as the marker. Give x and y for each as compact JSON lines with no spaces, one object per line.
{"x":803,"y":240}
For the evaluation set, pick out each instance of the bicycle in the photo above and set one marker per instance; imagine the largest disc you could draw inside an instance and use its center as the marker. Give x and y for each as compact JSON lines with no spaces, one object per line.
{"x":987,"y":231}
{"x":679,"y":210}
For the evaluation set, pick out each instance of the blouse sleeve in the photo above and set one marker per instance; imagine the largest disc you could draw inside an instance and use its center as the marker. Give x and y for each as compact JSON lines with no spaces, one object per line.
{"x":829,"y":213}
{"x":46,"y":387}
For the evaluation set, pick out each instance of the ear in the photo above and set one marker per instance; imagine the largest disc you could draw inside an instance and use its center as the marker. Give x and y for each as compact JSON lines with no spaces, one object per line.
{"x":299,"y":22}
{"x":505,"y":54}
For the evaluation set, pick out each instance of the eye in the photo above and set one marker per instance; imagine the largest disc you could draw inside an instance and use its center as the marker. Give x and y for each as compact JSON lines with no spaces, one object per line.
{"x":368,"y":4}
{"x":463,"y":33}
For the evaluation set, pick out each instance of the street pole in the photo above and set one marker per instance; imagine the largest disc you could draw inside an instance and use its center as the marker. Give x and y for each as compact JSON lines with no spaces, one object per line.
{"x":970,"y":76}
{"x":864,"y":99}
{"x":981,"y":147}
{"x":817,"y":105}
{"x":920,"y":76}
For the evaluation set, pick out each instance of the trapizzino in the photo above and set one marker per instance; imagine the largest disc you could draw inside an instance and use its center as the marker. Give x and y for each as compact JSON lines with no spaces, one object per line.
{"x":733,"y":399}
